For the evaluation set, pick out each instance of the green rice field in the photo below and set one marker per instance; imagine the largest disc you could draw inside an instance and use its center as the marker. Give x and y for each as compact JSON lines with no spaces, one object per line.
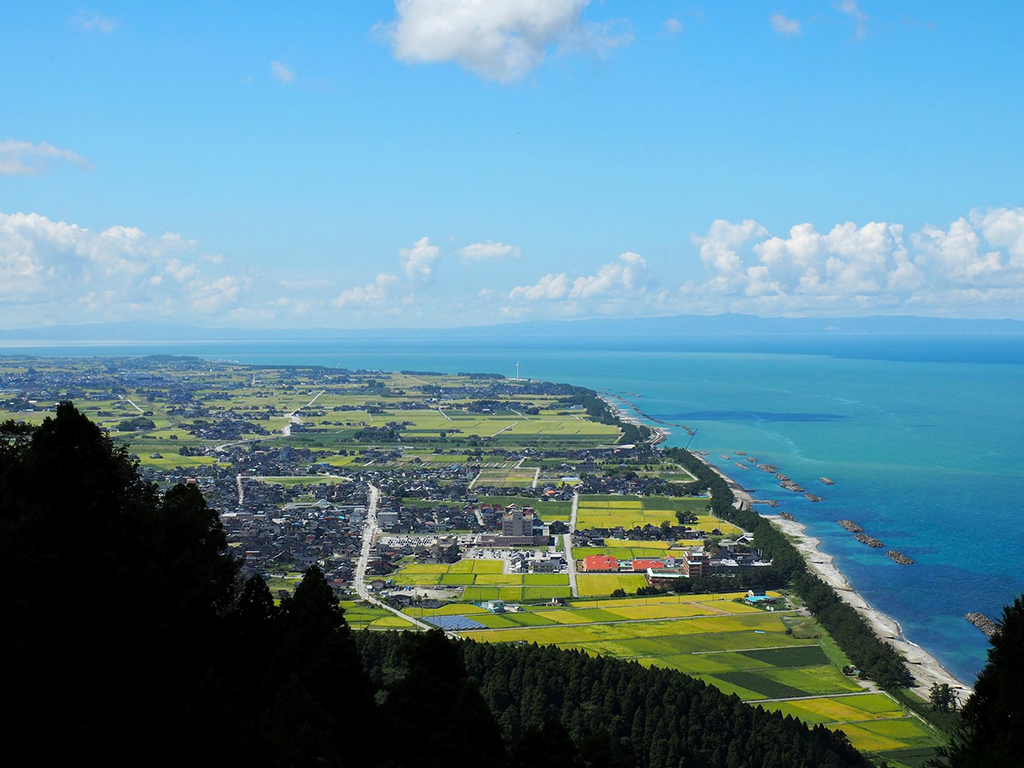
{"x":484,"y":580}
{"x":736,"y":648}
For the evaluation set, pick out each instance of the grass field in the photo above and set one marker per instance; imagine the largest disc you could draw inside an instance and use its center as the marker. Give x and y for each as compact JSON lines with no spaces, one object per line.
{"x":514,"y":593}
{"x":624,"y":549}
{"x":484,"y":580}
{"x":360,"y":615}
{"x":599,"y":584}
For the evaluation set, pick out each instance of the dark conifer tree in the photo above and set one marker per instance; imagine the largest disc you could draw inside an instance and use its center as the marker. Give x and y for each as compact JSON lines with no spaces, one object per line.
{"x":991,"y":728}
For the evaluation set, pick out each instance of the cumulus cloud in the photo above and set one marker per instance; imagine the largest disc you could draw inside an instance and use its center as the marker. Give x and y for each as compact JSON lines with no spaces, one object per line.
{"x":374,"y":293}
{"x":23,"y":158}
{"x":719,"y":250}
{"x":499,"y":41}
{"x":66,"y":273}
{"x":281,"y":72}
{"x":94,"y":22}
{"x":785,"y":25}
{"x":551,"y":287}
{"x":1004,"y":228}
{"x":628,"y":276}
{"x":418,"y":262}
{"x":489,"y":251}
{"x":977,"y":259}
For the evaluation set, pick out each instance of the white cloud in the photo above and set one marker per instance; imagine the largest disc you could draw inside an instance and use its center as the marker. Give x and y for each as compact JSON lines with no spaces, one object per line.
{"x":719,"y":250}
{"x":671,"y":26}
{"x":215,"y":295}
{"x":418,"y":262}
{"x":281,"y":72}
{"x":52,"y":271}
{"x":784,"y":25}
{"x":956,"y":252}
{"x":1004,"y":228}
{"x":499,"y":41}
{"x":628,"y":276}
{"x":549,"y":287}
{"x":94,"y":22}
{"x":974,"y":265}
{"x":489,"y":251}
{"x":376,"y":292}
{"x":23,"y":158}
{"x":852,"y":9}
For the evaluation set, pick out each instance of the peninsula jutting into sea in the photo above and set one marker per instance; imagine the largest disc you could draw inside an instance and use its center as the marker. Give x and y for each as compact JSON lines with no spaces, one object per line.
{"x":509,"y":510}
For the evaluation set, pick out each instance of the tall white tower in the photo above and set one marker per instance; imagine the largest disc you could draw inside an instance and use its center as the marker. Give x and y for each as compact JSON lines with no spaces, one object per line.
{"x":517,"y":370}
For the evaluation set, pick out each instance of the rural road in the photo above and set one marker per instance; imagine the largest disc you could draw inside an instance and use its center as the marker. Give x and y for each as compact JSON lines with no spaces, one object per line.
{"x":293,"y":417}
{"x":130,"y":402}
{"x":567,"y":545}
{"x":369,"y":528}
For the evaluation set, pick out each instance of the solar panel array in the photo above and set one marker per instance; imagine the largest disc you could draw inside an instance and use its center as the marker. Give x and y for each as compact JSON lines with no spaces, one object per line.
{"x":454,"y":623}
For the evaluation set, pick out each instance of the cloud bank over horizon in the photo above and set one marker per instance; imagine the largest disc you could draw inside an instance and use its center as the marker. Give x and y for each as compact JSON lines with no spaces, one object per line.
{"x":53,"y":272}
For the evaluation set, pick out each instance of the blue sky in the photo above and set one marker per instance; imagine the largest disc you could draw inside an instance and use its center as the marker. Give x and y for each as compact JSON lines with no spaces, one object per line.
{"x":454,"y":162}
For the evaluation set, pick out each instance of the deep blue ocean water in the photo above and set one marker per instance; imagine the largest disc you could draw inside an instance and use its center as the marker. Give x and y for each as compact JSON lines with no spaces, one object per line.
{"x":924,"y":438}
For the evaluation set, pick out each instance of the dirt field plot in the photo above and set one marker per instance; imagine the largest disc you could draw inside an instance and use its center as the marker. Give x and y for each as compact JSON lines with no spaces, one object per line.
{"x":507,"y":478}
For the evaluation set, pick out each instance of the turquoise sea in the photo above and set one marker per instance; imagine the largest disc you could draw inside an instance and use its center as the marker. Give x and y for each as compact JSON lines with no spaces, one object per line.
{"x":924,"y":438}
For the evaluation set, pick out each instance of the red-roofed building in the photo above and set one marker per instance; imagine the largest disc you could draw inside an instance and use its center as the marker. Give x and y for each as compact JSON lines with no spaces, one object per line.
{"x":600,"y":563}
{"x":643,"y":565}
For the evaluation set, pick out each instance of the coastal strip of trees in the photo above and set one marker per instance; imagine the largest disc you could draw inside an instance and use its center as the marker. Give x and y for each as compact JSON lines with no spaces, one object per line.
{"x":875,"y":658}
{"x":598,"y":410}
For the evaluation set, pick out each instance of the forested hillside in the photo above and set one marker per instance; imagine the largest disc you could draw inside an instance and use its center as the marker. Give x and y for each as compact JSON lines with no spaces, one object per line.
{"x":563,"y":708}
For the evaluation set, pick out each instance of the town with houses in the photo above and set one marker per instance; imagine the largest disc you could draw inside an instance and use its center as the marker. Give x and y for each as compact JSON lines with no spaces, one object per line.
{"x":488,"y":507}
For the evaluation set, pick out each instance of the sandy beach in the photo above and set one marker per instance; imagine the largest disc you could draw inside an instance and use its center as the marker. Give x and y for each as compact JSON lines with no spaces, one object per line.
{"x":624,"y":414}
{"x":925,"y":668}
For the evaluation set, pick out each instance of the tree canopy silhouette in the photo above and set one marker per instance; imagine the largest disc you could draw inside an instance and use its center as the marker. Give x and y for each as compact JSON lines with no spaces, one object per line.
{"x":991,"y":727}
{"x":127,"y":633}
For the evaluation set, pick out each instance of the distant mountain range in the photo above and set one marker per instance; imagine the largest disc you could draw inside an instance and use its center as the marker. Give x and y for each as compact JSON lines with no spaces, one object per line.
{"x":680,"y":326}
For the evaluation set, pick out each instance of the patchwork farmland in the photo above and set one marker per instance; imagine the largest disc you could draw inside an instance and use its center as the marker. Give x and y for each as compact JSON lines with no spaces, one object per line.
{"x":780,"y":661}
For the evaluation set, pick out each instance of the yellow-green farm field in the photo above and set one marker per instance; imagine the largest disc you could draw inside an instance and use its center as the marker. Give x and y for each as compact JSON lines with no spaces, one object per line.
{"x":597,"y":584}
{"x":484,"y":580}
{"x":360,"y":615}
{"x":618,"y":511}
{"x":750,"y":654}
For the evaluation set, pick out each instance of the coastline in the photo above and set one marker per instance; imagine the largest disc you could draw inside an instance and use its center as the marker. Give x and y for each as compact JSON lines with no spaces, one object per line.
{"x":926,"y":669}
{"x":659,"y":434}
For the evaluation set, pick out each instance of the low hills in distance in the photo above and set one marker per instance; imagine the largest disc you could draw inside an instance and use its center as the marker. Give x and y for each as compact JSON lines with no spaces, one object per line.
{"x":667,"y":328}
